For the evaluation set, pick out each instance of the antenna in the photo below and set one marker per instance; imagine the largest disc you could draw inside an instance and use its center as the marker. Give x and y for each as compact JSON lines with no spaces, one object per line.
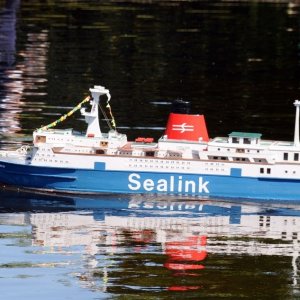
{"x":296,"y":134}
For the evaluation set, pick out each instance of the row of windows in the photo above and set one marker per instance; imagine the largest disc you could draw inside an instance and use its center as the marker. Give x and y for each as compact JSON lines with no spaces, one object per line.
{"x":284,"y":235}
{"x":160,"y":161}
{"x":286,"y":156}
{"x":50,"y":160}
{"x":157,"y":166}
{"x":48,"y":155}
{"x":65,"y":140}
{"x":294,"y":172}
{"x":268,"y":171}
{"x":236,"y":140}
{"x":218,"y":157}
{"x":243,"y":159}
{"x":265,"y":170}
{"x":214,"y":164}
{"x":240,"y":159}
{"x":45,"y":149}
{"x":216,"y":169}
{"x":76,"y":151}
{"x":240,"y":150}
{"x":126,"y":153}
{"x":174,"y":154}
{"x":264,"y":221}
{"x":130,"y":153}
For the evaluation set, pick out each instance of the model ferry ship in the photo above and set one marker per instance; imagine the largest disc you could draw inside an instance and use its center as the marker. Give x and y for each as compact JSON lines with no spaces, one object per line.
{"x":184,"y":161}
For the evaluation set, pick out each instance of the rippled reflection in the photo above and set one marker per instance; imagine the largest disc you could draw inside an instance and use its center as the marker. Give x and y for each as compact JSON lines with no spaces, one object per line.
{"x":131,"y":244}
{"x":8,"y":75}
{"x":23,"y":78}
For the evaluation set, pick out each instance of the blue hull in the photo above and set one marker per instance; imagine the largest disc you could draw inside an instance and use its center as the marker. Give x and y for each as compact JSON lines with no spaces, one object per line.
{"x":100,"y":180}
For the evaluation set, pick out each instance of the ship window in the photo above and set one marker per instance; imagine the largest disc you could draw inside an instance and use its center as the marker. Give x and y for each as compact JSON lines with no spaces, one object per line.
{"x":259,"y":160}
{"x":240,"y":159}
{"x":99,"y":151}
{"x":268,"y":170}
{"x":103,"y":144}
{"x":150,"y":153}
{"x":41,"y":139}
{"x":125,"y":153}
{"x":296,"y":156}
{"x":285,"y":156}
{"x":235,"y":140}
{"x":247,"y":141}
{"x":174,"y":154}
{"x":218,"y":157}
{"x":261,"y":170}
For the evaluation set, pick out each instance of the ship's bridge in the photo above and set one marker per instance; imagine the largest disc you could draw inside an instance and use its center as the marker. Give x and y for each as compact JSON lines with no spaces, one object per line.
{"x":244,"y":138}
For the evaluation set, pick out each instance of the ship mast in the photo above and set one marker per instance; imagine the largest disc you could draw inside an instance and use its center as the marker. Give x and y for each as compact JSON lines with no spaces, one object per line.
{"x":296,"y":134}
{"x":92,"y":117}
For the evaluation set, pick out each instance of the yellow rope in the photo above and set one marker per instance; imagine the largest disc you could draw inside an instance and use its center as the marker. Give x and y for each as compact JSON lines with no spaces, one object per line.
{"x":113,"y":122}
{"x":70,"y":113}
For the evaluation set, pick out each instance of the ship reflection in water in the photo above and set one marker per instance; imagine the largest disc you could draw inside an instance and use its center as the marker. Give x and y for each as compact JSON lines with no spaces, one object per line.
{"x":128,"y":244}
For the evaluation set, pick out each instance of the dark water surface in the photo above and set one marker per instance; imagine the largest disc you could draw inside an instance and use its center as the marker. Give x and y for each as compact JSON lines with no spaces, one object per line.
{"x":238,"y":62}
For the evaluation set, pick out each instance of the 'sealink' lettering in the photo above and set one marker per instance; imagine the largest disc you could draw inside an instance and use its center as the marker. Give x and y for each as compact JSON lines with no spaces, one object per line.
{"x":170,"y":184}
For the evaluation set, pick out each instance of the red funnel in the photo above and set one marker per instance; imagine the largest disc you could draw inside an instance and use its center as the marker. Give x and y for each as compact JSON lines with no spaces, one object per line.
{"x":186,"y":127}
